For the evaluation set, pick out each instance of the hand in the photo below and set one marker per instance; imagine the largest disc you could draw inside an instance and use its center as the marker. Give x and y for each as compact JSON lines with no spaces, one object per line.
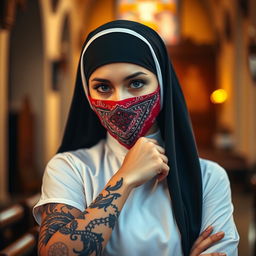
{"x":204,"y":241}
{"x":145,"y":160}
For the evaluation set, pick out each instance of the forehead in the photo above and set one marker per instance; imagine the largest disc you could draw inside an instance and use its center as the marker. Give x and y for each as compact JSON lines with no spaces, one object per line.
{"x":121,"y":69}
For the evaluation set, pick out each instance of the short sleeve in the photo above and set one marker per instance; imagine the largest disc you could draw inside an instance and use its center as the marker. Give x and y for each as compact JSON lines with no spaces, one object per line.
{"x":62,"y":183}
{"x":218,"y":208}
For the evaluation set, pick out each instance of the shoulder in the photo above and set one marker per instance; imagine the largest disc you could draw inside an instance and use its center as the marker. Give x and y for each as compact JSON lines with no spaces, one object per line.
{"x":211,"y":168}
{"x":74,"y":164}
{"x":79,"y":157}
{"x":213,"y":175}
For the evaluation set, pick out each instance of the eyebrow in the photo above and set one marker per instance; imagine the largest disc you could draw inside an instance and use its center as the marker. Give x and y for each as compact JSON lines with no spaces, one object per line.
{"x":126,"y":78}
{"x":134,"y":75}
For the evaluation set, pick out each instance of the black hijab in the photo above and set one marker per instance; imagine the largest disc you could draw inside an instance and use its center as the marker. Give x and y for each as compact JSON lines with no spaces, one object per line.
{"x":84,"y":130}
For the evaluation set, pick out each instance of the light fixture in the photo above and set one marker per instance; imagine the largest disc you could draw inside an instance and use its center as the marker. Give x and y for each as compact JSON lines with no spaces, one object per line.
{"x":161,"y":15}
{"x":219,"y":96}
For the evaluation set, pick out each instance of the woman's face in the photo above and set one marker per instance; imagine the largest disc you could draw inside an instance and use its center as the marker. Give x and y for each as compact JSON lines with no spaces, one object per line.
{"x":119,"y":81}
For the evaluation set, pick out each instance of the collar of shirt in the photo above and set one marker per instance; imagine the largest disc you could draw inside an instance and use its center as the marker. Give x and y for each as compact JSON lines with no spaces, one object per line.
{"x":120,"y":150}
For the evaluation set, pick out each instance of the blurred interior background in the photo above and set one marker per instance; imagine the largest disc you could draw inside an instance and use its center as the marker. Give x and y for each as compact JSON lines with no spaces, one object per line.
{"x":212,"y":44}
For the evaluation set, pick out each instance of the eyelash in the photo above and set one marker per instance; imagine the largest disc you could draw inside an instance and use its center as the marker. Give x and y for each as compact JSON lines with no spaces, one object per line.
{"x":141,"y":81}
{"x":98,"y":86}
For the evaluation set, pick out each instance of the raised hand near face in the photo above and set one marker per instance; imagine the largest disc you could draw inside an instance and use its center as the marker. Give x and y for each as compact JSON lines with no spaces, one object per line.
{"x":145,"y":160}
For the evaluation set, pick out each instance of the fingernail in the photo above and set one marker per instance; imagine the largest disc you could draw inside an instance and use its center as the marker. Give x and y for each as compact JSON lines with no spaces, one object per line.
{"x":208,"y":228}
{"x":219,"y":234}
{"x":222,"y":254}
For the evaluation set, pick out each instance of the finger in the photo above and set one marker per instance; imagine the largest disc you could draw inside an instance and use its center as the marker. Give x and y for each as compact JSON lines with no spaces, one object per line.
{"x":164,"y":158}
{"x":206,"y":243}
{"x":161,"y":176}
{"x":151,"y":140}
{"x":163,"y":172}
{"x":147,"y":140}
{"x":160,"y":149}
{"x":203,"y":236}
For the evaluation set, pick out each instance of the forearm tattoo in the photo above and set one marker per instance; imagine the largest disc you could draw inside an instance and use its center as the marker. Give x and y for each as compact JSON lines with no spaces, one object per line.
{"x":106,"y":201}
{"x":58,"y":249}
{"x":62,"y":220}
{"x":56,"y":218}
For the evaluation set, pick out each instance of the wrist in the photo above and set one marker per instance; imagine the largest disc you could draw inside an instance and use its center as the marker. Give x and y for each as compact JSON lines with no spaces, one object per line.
{"x":128,"y":185}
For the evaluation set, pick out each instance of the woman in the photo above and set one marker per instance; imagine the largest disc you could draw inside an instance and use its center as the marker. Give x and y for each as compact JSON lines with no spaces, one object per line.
{"x":139,"y":188}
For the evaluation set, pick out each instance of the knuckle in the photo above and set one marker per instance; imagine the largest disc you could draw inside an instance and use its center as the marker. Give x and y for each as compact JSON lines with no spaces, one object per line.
{"x":167,"y":167}
{"x":155,"y":157}
{"x":142,"y":139}
{"x":218,"y":236}
{"x":155,"y":151}
{"x":213,"y":238}
{"x":200,"y":247}
{"x":205,"y":234}
{"x":165,"y":173}
{"x":159,"y":161}
{"x":151,"y":144}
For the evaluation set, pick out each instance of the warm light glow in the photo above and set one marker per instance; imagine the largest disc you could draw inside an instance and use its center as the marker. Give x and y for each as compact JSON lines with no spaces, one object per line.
{"x":147,"y":10}
{"x":219,"y":96}
{"x":161,"y":15}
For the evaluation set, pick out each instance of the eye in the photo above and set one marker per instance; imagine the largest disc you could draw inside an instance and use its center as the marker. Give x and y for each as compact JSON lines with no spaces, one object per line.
{"x":137,"y":84}
{"x":102,"y":88}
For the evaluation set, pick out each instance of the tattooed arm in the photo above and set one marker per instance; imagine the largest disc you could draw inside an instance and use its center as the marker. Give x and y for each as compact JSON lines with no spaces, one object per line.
{"x":67,"y":231}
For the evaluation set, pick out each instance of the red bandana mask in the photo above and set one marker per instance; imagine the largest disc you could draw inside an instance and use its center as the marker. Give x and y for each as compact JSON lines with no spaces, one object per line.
{"x":127,"y":120}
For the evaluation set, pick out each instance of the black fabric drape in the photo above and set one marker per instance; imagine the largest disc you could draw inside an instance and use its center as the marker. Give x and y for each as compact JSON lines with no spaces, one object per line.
{"x":84,"y":130}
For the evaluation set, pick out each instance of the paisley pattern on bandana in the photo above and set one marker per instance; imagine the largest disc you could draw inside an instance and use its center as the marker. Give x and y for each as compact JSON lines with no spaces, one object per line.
{"x":129,"y":119}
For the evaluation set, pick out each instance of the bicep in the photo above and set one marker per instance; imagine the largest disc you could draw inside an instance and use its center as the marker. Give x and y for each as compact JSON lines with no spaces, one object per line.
{"x":54,"y":216}
{"x":63,"y":183}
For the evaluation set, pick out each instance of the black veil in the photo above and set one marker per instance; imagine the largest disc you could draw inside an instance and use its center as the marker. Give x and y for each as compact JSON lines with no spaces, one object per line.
{"x":84,"y":130}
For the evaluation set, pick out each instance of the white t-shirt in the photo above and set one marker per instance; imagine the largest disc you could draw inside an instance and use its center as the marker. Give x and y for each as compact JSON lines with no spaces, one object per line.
{"x":146,"y":225}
